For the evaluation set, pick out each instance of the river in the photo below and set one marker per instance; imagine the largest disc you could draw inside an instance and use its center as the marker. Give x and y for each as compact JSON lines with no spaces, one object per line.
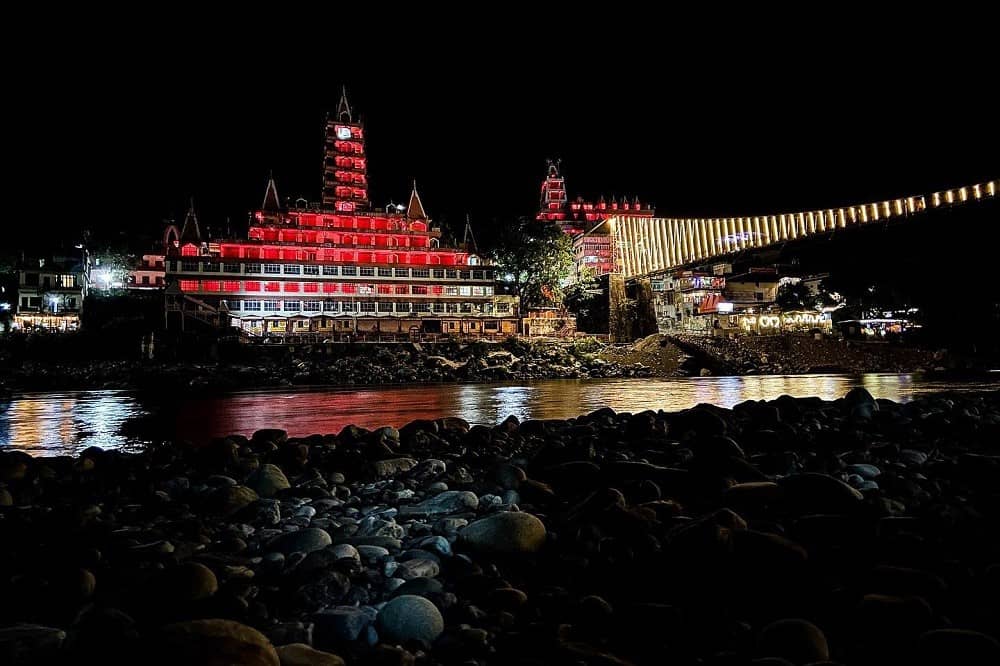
{"x":67,"y":422}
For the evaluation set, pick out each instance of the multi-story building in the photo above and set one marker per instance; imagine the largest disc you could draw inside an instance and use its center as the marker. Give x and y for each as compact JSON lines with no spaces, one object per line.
{"x":337,"y":269}
{"x":51,"y":292}
{"x":148,"y":274}
{"x":582,"y":221}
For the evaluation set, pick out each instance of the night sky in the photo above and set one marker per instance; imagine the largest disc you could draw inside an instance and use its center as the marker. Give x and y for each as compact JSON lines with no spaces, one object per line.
{"x":115,"y":136}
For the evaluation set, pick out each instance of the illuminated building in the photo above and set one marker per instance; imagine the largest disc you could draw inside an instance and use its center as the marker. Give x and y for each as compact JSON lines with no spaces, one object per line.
{"x":335,"y":270}
{"x":582,"y":220}
{"x":148,"y":274}
{"x":51,"y":293}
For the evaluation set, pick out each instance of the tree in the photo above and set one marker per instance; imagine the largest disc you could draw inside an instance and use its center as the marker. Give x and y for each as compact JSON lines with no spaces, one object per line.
{"x":534,"y":258}
{"x":587,"y":298}
{"x":795,"y":296}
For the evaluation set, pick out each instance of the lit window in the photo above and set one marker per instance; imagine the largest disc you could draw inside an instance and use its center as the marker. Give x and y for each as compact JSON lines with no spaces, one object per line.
{"x":272,"y":306}
{"x":272,"y":286}
{"x":293,"y":269}
{"x":189,"y":285}
{"x":331,"y":270}
{"x":253,"y":306}
{"x":230,"y":285}
{"x":367,"y":306}
{"x":253,"y":268}
{"x":251,"y":286}
{"x":292,"y":287}
{"x":293,"y":306}
{"x":310,"y":287}
{"x":310,"y":269}
{"x":312,"y":306}
{"x":272,"y":269}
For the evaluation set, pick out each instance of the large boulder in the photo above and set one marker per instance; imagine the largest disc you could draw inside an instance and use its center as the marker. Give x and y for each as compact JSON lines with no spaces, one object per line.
{"x":409,"y":617}
{"x":506,"y":533}
{"x":211,"y":643}
{"x":300,"y":541}
{"x":268,"y":480}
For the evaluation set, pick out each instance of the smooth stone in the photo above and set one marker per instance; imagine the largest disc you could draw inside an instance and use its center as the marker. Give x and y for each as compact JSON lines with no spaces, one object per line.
{"x":371,"y":553}
{"x":417,"y":569}
{"x":420,"y":587}
{"x":435,"y":544}
{"x":958,"y":646}
{"x":190,"y":581}
{"x":865,"y":471}
{"x":301,"y":541}
{"x":448,"y":502}
{"x":268,"y":480}
{"x":341,"y":624}
{"x":799,"y":641}
{"x":812,"y":492}
{"x":345,"y":551}
{"x":506,"y":533}
{"x":409,"y":617}
{"x":508,"y":476}
{"x":300,"y":654}
{"x":392,"y":466}
{"x":227,"y":500}
{"x":212,"y":642}
{"x":29,"y":643}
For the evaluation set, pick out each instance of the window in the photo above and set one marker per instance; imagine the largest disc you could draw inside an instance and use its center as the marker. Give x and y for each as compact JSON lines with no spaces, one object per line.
{"x":310,"y":287}
{"x":465,"y":290}
{"x":491,"y":325}
{"x":401,"y":289}
{"x":272,"y":306}
{"x":349,"y":270}
{"x":252,"y":268}
{"x":488,"y":275}
{"x":421,"y":307}
{"x":386,"y":289}
{"x":190,"y":266}
{"x":210,"y":285}
{"x":293,"y":306}
{"x":310,"y":269}
{"x":301,"y":324}
{"x":272,"y":269}
{"x":402,"y":307}
{"x":385,"y":272}
{"x":71,"y":303}
{"x":452,"y":274}
{"x":488,"y":291}
{"x":231,"y":285}
{"x":347,"y":306}
{"x":367,"y":307}
{"x":145,"y":279}
{"x":272,"y":286}
{"x":478,"y":275}
{"x":477,"y":291}
{"x":252,"y":285}
{"x":439,"y":307}
{"x":503,"y":307}
{"x":421,"y":272}
{"x":252,"y":306}
{"x":293,"y":269}
{"x":419,"y":289}
{"x":330,"y":287}
{"x":331,"y":270}
{"x":385,"y":307}
{"x":464,"y":275}
{"x":331,"y":306}
{"x":312,"y":306}
{"x":367,"y":271}
{"x":451,"y":291}
{"x":230,"y":268}
{"x":466,"y":307}
{"x":210,"y":267}
{"x":292,"y":287}
{"x":189,"y":285}
{"x":451,"y":307}
{"x":401,"y":272}
{"x":67,"y":281}
{"x":759,"y":295}
{"x":438,"y":273}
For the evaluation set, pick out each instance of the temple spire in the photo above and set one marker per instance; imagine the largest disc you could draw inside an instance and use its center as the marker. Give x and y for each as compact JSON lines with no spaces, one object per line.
{"x":415,"y":211}
{"x":272,"y":204}
{"x":190,"y":233}
{"x":343,"y":108}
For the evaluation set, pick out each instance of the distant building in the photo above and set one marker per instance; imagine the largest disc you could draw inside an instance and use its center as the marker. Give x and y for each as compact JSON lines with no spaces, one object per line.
{"x":582,"y":219}
{"x":51,"y":292}
{"x":336,"y":270}
{"x":149,"y":274}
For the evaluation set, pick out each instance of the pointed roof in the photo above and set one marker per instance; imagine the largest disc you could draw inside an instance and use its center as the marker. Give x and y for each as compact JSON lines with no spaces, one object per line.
{"x":271,"y":201}
{"x":190,"y":233}
{"x":415,"y":211}
{"x":343,"y":108}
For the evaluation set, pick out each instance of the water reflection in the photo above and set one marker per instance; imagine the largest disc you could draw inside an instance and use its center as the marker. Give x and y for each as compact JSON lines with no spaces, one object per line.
{"x":54,"y":423}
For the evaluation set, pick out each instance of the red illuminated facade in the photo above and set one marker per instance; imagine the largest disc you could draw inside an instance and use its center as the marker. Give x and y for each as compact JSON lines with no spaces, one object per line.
{"x":339,"y":268}
{"x":580,"y":219}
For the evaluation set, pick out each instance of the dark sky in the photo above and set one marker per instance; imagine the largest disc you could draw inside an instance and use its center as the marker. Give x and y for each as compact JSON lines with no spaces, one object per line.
{"x":115,"y":133}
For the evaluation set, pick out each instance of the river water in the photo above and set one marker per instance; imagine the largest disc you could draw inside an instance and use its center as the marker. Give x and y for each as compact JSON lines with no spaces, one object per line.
{"x":65,"y":423}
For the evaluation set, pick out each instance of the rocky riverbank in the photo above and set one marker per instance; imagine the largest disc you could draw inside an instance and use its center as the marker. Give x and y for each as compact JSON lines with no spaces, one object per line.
{"x":345,"y":365}
{"x":801,"y":354}
{"x":795,"y":531}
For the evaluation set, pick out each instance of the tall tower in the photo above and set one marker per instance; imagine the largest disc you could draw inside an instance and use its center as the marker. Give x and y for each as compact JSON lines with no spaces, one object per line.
{"x":553,"y":193}
{"x":345,"y":165}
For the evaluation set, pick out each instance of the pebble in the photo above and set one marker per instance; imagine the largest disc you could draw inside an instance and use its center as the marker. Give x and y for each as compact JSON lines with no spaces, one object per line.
{"x":304,"y":541}
{"x":506,"y":533}
{"x":410,"y":617}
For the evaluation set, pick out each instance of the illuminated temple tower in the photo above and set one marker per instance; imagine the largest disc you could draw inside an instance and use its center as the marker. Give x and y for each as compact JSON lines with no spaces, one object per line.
{"x":581,"y":220}
{"x":345,"y":165}
{"x":338,"y":269}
